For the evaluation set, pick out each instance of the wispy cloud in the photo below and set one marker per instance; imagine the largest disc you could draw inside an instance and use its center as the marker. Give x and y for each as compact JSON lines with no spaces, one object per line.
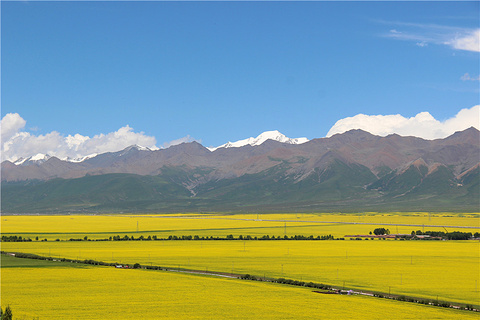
{"x":457,"y":38}
{"x":423,"y":125}
{"x":467,"y":77}
{"x":185,"y":139}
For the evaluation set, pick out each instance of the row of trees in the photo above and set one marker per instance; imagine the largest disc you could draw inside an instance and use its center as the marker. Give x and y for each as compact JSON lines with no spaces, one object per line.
{"x":289,"y":282}
{"x":18,"y":239}
{"x":228,"y":237}
{"x":378,"y":295}
{"x":15,"y":239}
{"x":456,"y":235}
{"x":172,"y":237}
{"x":86,"y":261}
{"x":424,"y":301}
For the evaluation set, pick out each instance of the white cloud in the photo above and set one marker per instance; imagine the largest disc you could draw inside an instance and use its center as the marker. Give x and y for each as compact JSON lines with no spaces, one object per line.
{"x":467,"y":77}
{"x":17,"y":143}
{"x":423,"y":125}
{"x":11,"y":124}
{"x":423,"y":34}
{"x":113,"y":141}
{"x":469,"y":41}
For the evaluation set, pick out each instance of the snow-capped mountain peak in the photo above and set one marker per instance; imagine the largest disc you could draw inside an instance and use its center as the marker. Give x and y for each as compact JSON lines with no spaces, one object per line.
{"x":141,"y":148}
{"x":38,"y":158}
{"x":80,"y":159}
{"x":134,"y":147}
{"x":267,"y":135}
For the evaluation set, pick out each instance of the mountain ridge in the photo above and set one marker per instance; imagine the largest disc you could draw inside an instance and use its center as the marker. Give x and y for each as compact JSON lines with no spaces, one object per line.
{"x":353,"y":168}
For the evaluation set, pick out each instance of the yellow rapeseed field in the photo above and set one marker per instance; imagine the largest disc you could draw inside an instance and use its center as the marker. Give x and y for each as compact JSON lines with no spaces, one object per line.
{"x":444,"y":269}
{"x":104,"y":226}
{"x":57,"y":292}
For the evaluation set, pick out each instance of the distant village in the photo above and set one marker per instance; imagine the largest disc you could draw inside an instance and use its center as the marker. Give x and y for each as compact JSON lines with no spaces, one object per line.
{"x":382,"y":233}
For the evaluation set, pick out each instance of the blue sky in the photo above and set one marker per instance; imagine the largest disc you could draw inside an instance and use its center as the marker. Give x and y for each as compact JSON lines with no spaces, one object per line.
{"x":224,"y":71}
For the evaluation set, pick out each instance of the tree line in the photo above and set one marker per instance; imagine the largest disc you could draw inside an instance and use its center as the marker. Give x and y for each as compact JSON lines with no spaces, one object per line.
{"x":183,"y":237}
{"x":289,"y":282}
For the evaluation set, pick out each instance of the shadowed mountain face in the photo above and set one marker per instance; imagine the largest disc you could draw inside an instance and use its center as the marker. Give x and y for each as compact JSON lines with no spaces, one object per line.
{"x":346,"y":172}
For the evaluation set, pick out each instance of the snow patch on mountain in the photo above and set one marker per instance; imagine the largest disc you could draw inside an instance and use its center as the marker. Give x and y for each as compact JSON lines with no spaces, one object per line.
{"x":267,"y":135}
{"x":134,"y":147}
{"x":80,"y":159}
{"x":142,"y":148}
{"x":38,"y":158}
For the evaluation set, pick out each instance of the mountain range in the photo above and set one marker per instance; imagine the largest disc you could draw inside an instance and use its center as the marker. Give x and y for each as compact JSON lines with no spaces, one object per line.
{"x":351,"y":171}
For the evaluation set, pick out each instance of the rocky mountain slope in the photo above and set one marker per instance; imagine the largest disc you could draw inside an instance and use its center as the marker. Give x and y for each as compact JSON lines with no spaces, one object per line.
{"x":348,"y":171}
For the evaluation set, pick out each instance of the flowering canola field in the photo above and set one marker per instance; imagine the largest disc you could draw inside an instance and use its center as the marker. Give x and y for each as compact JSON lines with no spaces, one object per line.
{"x":103,"y":226}
{"x":444,"y":270}
{"x":49,"y":290}
{"x":447,"y":270}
